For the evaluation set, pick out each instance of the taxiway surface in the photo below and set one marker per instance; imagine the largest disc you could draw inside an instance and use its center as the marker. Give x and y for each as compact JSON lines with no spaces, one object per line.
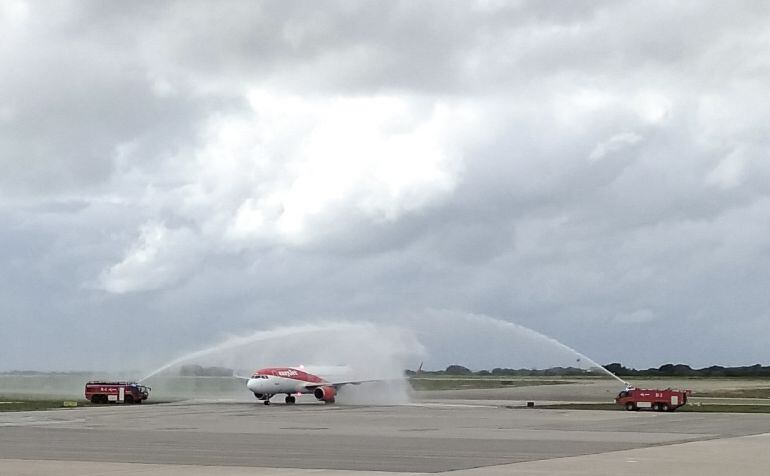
{"x":420,"y":438}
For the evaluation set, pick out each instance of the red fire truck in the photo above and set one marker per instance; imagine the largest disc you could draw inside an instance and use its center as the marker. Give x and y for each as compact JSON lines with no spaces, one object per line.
{"x":666,"y":400}
{"x":116,"y":392}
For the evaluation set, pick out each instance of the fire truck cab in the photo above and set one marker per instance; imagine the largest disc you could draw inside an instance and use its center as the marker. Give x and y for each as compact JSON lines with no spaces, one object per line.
{"x":666,"y":400}
{"x":116,"y":392}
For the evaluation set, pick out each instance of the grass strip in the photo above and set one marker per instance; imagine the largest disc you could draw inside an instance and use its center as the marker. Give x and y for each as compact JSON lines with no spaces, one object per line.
{"x":10,"y":403}
{"x":17,"y":405}
{"x":478,"y":383}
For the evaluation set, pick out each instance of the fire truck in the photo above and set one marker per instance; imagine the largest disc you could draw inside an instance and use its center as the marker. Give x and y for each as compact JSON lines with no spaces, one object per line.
{"x":116,"y":392}
{"x":666,"y":400}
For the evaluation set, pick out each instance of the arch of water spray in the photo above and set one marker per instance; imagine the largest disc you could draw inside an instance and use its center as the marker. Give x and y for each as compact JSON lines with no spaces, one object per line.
{"x":408,"y":345}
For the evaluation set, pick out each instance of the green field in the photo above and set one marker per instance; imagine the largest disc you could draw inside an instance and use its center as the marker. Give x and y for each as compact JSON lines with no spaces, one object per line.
{"x":15,"y":404}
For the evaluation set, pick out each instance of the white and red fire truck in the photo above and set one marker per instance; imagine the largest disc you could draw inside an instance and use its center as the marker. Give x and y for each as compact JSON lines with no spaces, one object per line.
{"x":116,"y":392}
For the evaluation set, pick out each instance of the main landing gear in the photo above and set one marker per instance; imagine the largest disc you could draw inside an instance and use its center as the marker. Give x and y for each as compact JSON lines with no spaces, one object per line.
{"x":265,"y":398}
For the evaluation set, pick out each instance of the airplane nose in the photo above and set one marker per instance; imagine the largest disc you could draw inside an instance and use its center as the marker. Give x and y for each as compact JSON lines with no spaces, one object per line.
{"x":253,"y":385}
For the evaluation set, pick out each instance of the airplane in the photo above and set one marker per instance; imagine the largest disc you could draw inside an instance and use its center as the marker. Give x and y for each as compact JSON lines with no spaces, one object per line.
{"x":268,"y":382}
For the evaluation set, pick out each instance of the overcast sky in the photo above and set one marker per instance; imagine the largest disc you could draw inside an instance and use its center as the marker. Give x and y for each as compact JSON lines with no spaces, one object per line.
{"x":175,"y":172}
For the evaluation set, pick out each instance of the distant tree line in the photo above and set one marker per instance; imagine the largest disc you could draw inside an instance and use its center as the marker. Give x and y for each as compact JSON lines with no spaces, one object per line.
{"x":459,"y":370}
{"x":666,"y":370}
{"x":682,"y":370}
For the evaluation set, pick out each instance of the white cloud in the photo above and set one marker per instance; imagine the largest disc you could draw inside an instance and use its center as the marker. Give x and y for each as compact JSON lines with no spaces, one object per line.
{"x":730,"y":172}
{"x":162,"y":87}
{"x":160,"y":257}
{"x":293,"y":162}
{"x":613,"y":144}
{"x":13,"y":15}
{"x":653,"y":107}
{"x":290,"y":172}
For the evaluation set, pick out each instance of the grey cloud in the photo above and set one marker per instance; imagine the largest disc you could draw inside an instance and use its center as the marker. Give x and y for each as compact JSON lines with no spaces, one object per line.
{"x":608,"y":185}
{"x":76,"y":95}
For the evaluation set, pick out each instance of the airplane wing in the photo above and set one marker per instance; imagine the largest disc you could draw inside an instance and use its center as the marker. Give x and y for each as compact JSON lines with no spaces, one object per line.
{"x":241,"y":377}
{"x":337,"y":385}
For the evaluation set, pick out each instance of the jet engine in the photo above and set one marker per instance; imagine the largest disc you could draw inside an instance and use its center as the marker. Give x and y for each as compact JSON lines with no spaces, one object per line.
{"x":326,"y":394}
{"x":259,"y":396}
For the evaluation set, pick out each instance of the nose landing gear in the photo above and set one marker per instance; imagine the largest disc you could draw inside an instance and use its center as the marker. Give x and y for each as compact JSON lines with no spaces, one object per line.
{"x":264,"y":397}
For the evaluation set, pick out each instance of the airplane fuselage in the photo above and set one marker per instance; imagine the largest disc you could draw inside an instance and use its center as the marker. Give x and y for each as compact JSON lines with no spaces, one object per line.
{"x":265,"y":383}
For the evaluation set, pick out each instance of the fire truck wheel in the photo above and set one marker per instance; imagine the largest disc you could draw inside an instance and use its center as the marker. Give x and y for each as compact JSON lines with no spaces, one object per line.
{"x":129,"y":399}
{"x":290,"y":399}
{"x":663,"y":407}
{"x":94,"y":398}
{"x":655,"y":407}
{"x":630,"y":406}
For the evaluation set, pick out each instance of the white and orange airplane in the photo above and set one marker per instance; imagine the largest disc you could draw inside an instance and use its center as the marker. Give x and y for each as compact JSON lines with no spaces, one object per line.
{"x":268,"y":382}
